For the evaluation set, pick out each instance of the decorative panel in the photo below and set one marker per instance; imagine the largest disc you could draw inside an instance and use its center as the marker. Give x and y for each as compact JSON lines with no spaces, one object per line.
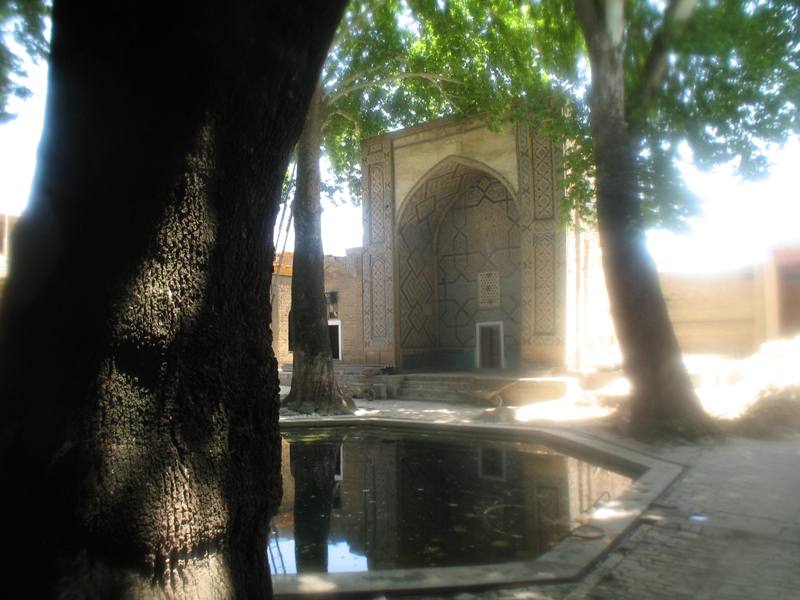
{"x":543,"y":249}
{"x":477,"y":254}
{"x":544,"y":289}
{"x":488,"y":289}
{"x":378,"y":215}
{"x":543,"y":180}
{"x":379,"y":301}
{"x":416,"y":250}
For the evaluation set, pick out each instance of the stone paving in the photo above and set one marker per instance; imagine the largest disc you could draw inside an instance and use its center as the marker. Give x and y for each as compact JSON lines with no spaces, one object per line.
{"x":728,"y":528}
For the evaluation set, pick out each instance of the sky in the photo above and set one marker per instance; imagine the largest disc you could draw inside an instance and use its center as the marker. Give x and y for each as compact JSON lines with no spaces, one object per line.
{"x":739,"y":221}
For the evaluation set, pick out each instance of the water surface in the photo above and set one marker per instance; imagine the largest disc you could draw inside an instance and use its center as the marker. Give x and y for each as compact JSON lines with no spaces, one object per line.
{"x":357,"y":501}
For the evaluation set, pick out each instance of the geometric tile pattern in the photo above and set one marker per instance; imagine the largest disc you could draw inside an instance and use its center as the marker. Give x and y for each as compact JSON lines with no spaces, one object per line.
{"x":544,"y":309}
{"x":488,"y":289}
{"x":543,"y":179}
{"x":415,"y":250}
{"x":419,"y":310}
{"x":478,"y":241}
{"x":377,"y":199}
{"x":543,"y":251}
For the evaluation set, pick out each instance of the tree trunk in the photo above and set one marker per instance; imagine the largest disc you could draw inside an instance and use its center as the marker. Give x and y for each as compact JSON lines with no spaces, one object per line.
{"x":314,"y":387}
{"x":663,"y":401}
{"x":139,"y":443}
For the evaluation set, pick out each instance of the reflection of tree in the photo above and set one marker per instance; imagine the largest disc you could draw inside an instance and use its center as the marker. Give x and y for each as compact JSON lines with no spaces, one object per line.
{"x":313,"y":469}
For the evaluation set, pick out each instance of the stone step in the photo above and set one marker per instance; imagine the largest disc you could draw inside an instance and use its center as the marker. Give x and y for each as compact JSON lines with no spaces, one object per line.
{"x":448,"y":398}
{"x":435,"y":386}
{"x":456,"y":387}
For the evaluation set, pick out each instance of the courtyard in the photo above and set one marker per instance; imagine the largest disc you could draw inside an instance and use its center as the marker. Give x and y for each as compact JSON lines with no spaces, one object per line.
{"x":724,"y":525}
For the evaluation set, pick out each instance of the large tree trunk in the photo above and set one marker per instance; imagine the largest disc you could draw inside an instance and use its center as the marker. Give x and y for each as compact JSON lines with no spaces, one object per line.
{"x":314,"y":387}
{"x":663,"y":398}
{"x":139,"y":443}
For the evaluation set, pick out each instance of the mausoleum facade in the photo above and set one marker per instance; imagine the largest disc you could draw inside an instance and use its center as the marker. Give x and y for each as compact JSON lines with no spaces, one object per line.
{"x":467,"y":262}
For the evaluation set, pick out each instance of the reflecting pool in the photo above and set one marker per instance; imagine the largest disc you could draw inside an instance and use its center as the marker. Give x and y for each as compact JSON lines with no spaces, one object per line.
{"x":381,"y":499}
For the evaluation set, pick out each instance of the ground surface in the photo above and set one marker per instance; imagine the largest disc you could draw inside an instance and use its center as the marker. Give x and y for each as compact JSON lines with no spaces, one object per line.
{"x":729,"y":528}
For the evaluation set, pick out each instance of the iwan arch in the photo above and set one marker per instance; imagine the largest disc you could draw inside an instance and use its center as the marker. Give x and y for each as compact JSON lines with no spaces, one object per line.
{"x":466,"y":262}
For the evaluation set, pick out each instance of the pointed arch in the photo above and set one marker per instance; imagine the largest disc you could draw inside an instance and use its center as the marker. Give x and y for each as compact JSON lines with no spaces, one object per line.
{"x":450,"y":167}
{"x":420,"y":306}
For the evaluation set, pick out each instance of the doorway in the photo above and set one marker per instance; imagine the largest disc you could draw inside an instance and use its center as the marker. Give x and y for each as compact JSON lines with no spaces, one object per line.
{"x":335,"y":333}
{"x":489,"y":351}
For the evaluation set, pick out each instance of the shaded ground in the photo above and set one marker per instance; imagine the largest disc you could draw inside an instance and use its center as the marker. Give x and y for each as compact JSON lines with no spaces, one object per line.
{"x":729,"y":528}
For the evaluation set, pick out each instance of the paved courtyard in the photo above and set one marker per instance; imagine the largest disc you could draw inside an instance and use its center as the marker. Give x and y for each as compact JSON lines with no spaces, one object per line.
{"x":728,"y":528}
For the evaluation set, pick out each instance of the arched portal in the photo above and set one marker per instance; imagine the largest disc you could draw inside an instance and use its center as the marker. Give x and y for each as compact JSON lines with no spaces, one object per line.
{"x":458,"y":270}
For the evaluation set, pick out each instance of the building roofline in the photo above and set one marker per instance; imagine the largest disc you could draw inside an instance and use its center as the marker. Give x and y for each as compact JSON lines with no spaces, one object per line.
{"x":428,"y":125}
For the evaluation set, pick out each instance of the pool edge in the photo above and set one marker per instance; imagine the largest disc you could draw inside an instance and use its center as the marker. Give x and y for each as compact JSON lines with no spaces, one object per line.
{"x":567,"y":562}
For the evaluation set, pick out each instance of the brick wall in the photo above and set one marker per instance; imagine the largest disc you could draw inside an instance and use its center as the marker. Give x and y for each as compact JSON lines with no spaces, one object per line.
{"x":343,"y":276}
{"x":716,"y":313}
{"x":282,"y":302}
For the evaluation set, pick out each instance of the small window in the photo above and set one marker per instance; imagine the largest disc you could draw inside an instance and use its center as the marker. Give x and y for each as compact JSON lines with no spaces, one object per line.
{"x":488,"y":289}
{"x":492,"y":463}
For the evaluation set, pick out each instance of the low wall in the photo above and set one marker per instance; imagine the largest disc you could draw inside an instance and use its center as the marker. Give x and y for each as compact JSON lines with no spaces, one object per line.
{"x":718,"y":313}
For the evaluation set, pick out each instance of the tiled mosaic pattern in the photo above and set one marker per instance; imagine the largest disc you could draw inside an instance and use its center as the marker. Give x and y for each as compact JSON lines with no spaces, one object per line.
{"x":417,"y":235}
{"x":478,"y":236}
{"x":416,"y":249}
{"x":407,"y":256}
{"x":378,"y":203}
{"x":543,"y":241}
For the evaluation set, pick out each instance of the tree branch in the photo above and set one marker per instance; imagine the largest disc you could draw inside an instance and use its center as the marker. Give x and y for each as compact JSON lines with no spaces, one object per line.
{"x":588,"y":17}
{"x":655,"y":66}
{"x":347,"y":81}
{"x":327,"y":118}
{"x":437,"y":79}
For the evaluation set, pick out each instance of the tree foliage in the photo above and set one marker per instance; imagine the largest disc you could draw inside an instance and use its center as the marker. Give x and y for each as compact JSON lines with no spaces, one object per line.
{"x":392,"y":64}
{"x":22,"y":23}
{"x":729,"y":86}
{"x":395,"y":64}
{"x":731,"y":82}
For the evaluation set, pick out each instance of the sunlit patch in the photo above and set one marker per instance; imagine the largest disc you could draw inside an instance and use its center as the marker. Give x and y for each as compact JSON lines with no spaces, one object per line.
{"x":310,"y":584}
{"x":569,"y":408}
{"x":728,"y":387}
{"x":607,"y":513}
{"x":696,"y":518}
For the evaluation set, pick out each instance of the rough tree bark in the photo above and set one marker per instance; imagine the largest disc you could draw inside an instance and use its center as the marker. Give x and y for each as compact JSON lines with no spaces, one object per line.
{"x":663,"y":401}
{"x":314,"y":387}
{"x":139,"y":449}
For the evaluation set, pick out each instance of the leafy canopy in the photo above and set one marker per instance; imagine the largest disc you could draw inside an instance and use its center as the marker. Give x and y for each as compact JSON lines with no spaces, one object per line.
{"x":732,"y":83}
{"x":731,"y":87}
{"x":22,"y":23}
{"x":399,"y":63}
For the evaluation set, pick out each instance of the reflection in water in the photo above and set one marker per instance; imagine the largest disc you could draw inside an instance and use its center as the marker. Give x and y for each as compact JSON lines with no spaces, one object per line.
{"x":313,"y":467}
{"x":392,"y":501}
